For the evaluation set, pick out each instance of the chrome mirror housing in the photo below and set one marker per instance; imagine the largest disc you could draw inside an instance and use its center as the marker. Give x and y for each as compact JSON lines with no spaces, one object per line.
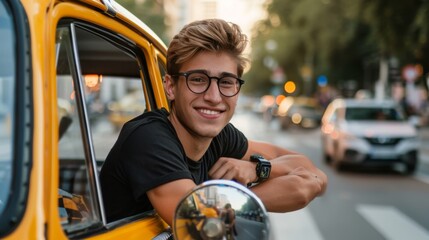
{"x":221,"y":209}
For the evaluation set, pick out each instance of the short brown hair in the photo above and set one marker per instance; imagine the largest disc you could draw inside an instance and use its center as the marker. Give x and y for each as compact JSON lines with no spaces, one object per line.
{"x":211,"y":35}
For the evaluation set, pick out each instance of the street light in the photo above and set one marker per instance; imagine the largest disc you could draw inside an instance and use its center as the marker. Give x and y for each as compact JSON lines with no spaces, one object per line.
{"x":290,"y":87}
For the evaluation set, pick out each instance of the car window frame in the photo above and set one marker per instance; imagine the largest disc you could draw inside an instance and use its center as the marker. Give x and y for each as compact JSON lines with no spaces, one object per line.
{"x":77,"y":78}
{"x":132,"y":48}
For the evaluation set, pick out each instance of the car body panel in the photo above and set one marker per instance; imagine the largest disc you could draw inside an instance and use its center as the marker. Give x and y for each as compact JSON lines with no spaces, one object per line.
{"x":386,"y":128}
{"x":299,"y":111}
{"x":41,"y":215}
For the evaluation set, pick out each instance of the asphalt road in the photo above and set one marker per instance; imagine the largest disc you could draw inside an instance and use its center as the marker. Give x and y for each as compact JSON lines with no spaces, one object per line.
{"x":359,"y":204}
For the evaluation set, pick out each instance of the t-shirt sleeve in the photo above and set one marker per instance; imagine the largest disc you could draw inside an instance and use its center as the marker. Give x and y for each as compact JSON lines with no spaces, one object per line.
{"x":153,"y":156}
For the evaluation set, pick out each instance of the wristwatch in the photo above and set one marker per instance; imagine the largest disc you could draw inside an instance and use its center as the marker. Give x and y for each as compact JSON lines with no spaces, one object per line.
{"x":263,"y":167}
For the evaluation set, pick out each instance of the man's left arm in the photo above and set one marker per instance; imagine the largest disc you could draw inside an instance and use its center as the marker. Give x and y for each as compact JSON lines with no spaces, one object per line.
{"x":293,"y":182}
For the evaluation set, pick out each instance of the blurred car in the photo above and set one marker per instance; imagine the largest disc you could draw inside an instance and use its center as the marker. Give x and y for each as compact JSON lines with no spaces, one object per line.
{"x":368,"y":131}
{"x":300,"y":111}
{"x":126,"y":108}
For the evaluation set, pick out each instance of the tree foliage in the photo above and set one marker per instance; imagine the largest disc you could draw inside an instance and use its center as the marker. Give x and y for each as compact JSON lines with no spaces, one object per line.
{"x":150,"y":12}
{"x":342,"y":39}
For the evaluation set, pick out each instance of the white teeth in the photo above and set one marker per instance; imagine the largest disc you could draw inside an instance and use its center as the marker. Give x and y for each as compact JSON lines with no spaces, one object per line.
{"x":210,"y":112}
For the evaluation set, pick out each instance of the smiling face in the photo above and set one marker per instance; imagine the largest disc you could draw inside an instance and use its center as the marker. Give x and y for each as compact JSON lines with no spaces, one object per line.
{"x":202,"y":115}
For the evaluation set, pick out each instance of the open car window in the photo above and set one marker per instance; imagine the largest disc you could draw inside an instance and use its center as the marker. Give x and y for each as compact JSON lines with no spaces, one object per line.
{"x":100,"y":81}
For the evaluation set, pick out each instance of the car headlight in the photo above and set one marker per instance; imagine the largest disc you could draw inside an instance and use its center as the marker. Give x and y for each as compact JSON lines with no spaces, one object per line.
{"x":296,"y":118}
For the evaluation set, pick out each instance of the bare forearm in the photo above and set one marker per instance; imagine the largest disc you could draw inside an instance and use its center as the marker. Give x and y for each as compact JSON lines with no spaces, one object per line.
{"x":284,"y":161}
{"x":287,"y":164}
{"x":293,"y":182}
{"x":287,"y":193}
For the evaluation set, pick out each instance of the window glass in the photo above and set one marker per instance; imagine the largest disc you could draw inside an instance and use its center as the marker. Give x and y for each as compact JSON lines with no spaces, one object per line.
{"x":162,"y":67}
{"x":97,"y":94}
{"x":113,"y":95}
{"x":110,"y":104}
{"x":371,"y":113}
{"x":7,"y":86}
{"x":76,"y":205}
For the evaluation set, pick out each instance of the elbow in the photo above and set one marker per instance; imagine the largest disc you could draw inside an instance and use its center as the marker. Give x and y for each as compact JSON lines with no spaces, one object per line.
{"x":303,"y":199}
{"x":305,"y":191}
{"x":297,"y":200}
{"x":300,"y":194}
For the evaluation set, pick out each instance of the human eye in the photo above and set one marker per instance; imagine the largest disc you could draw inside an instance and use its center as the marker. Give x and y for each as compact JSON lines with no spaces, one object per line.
{"x":198,"y":78}
{"x":227,"y":82}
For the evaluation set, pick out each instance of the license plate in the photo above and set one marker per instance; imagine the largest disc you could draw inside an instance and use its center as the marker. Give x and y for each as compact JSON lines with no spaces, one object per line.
{"x":383,"y":153}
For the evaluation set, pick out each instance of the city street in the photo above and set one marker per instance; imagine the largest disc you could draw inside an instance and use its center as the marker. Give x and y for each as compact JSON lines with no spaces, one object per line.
{"x":363,"y":204}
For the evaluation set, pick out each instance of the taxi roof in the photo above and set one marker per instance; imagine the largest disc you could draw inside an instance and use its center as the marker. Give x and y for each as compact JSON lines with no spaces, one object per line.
{"x":115,"y":10}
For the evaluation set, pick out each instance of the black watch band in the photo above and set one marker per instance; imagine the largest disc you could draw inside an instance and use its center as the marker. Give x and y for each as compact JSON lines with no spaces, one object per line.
{"x":263,"y":167}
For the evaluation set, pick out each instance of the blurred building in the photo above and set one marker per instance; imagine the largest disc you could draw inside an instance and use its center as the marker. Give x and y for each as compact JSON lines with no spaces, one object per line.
{"x":242,"y":12}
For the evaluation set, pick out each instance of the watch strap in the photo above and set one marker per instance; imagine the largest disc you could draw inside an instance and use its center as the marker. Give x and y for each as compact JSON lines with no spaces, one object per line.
{"x":263,"y":167}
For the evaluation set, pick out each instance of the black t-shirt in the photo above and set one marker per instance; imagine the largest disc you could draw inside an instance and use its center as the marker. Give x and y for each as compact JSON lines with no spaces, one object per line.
{"x":148,"y":153}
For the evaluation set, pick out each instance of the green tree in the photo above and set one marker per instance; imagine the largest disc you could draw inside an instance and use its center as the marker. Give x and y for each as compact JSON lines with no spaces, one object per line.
{"x":150,"y":12}
{"x":342,"y":39}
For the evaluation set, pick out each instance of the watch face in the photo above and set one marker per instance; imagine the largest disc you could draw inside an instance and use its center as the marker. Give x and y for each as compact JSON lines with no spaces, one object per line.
{"x":265,"y":172}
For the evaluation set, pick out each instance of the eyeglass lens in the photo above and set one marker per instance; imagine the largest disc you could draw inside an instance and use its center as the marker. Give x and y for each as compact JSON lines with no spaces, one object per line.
{"x":200,"y":82}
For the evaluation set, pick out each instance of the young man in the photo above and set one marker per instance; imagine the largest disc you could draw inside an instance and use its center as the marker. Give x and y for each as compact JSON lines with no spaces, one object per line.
{"x":160,"y":156}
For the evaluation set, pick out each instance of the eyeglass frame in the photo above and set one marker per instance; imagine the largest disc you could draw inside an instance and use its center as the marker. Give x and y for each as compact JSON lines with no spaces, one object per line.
{"x":188,"y":73}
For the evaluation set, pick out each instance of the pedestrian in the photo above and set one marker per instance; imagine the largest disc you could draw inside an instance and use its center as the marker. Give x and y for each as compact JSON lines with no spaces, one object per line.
{"x":161,"y":155}
{"x":228,"y":217}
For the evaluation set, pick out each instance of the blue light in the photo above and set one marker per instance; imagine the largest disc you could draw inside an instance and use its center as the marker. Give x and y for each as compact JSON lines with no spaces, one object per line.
{"x":322,"y":80}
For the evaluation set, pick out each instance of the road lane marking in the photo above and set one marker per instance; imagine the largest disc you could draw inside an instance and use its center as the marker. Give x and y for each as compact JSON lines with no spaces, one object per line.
{"x":392,"y":223}
{"x":295,"y":225}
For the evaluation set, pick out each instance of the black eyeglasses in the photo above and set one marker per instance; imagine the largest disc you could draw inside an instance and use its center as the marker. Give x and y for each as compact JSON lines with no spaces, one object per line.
{"x":198,"y":82}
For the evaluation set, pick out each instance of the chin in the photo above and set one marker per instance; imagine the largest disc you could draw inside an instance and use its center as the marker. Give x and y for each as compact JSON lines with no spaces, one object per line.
{"x":208,"y":132}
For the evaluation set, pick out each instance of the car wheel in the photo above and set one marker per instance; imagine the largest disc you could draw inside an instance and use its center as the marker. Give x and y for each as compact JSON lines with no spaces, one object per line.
{"x":336,"y":161}
{"x":411,"y":164}
{"x":411,"y":168}
{"x":338,"y":165}
{"x":327,"y":158}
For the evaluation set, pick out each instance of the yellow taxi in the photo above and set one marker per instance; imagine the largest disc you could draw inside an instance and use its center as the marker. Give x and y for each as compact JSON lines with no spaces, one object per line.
{"x":63,"y":63}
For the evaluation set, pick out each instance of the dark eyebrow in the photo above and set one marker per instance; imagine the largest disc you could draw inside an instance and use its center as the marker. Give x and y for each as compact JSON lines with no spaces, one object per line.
{"x":222,"y":74}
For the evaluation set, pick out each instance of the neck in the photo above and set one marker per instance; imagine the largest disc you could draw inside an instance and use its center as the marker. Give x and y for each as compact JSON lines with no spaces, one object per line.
{"x":195,"y":146}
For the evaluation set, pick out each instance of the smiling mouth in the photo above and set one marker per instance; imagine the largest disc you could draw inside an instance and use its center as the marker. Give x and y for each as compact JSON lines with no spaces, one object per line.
{"x":209,"y":112}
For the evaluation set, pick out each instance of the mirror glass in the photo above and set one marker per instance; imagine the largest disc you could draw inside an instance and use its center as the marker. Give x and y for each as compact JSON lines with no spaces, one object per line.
{"x":220,"y":209}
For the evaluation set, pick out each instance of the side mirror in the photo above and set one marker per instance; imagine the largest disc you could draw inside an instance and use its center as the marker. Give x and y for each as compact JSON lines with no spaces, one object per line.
{"x":221,"y":209}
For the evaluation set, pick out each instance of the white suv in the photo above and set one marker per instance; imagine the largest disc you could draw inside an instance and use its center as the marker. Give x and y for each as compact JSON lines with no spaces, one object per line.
{"x":360,"y":131}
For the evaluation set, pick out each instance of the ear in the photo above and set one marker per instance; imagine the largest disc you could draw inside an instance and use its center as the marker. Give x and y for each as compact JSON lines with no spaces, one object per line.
{"x":169,"y":87}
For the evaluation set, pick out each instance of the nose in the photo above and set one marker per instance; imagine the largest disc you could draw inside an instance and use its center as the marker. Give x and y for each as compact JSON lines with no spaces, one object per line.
{"x":213,"y":94}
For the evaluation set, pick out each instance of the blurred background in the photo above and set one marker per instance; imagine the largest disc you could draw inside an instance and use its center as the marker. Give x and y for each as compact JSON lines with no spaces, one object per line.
{"x":306,"y":53}
{"x":318,"y":48}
